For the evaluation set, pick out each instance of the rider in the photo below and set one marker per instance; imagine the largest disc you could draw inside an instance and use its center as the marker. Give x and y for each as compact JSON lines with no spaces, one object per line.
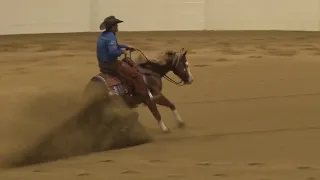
{"x":108,"y":53}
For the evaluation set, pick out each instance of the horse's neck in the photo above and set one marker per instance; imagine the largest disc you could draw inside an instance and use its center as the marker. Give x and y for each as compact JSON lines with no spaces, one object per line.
{"x":162,"y":70}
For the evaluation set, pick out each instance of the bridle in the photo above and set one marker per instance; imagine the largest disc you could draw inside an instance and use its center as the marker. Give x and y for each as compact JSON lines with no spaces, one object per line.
{"x":175,"y":63}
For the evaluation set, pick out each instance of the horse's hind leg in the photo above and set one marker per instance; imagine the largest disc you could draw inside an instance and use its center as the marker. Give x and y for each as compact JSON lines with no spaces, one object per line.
{"x":163,"y":101}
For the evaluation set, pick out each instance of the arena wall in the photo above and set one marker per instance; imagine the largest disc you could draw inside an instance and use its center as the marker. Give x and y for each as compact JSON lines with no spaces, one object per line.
{"x":301,"y":15}
{"x":58,"y":16}
{"x":44,"y":16}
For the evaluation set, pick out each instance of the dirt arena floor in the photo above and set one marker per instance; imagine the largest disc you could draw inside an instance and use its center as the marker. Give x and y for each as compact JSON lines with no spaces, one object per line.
{"x":252,"y":112}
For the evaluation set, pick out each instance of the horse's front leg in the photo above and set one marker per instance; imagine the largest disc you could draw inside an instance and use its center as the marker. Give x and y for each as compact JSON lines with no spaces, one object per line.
{"x":154,"y":110}
{"x":163,"y":101}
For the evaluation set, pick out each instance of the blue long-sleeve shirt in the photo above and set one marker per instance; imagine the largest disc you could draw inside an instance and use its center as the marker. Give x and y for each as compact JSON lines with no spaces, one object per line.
{"x":108,"y":49}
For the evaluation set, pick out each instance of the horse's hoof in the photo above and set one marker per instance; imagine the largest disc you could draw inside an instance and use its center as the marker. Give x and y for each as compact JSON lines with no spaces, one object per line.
{"x":167,"y":131}
{"x":181,"y":124}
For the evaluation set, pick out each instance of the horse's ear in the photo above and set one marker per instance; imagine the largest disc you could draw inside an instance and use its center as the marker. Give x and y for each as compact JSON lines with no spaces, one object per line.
{"x":184,"y":51}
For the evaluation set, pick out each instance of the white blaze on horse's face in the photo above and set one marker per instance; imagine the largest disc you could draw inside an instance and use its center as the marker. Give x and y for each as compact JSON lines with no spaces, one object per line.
{"x":190,"y":79}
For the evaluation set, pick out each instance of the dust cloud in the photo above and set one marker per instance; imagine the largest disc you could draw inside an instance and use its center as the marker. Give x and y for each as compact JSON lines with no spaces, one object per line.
{"x":59,"y":125}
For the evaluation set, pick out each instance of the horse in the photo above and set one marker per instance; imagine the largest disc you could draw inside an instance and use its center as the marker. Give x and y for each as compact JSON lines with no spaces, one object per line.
{"x":152,"y":70}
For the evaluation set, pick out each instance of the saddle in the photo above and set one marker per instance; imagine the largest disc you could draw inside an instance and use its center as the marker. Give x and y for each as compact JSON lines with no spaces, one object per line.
{"x":119,"y":85}
{"x":115,"y":84}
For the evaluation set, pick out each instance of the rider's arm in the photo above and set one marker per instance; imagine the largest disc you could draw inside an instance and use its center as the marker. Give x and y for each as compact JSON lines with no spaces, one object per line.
{"x":114,"y":49}
{"x":123,"y":46}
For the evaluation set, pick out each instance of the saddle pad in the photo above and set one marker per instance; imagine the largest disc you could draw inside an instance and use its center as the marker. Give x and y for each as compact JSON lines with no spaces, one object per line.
{"x":114,"y":84}
{"x":110,"y":80}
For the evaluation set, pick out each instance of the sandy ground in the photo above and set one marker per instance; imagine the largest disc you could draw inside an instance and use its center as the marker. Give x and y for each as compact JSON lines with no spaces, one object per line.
{"x":252,"y":112}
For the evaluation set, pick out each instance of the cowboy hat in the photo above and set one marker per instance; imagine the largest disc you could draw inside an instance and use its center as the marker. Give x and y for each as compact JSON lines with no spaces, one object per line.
{"x":109,"y":22}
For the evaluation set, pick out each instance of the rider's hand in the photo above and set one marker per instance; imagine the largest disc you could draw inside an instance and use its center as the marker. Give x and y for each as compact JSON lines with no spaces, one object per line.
{"x":131,"y":48}
{"x":123,"y":50}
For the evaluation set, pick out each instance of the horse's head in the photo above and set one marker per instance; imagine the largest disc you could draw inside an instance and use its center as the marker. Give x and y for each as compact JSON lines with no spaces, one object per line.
{"x":180,"y":65}
{"x":168,"y":61}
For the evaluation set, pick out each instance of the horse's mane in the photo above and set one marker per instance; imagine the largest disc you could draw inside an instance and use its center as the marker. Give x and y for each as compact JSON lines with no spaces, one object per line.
{"x":161,"y":58}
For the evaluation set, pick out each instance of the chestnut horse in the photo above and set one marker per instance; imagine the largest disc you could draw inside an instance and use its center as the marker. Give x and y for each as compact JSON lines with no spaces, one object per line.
{"x":152,"y":70}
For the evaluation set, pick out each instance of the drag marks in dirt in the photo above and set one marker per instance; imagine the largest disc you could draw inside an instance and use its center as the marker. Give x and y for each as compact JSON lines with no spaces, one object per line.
{"x":223,"y":170}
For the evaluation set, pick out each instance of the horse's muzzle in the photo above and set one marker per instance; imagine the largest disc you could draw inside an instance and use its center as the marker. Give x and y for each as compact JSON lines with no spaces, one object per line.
{"x":190,"y":80}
